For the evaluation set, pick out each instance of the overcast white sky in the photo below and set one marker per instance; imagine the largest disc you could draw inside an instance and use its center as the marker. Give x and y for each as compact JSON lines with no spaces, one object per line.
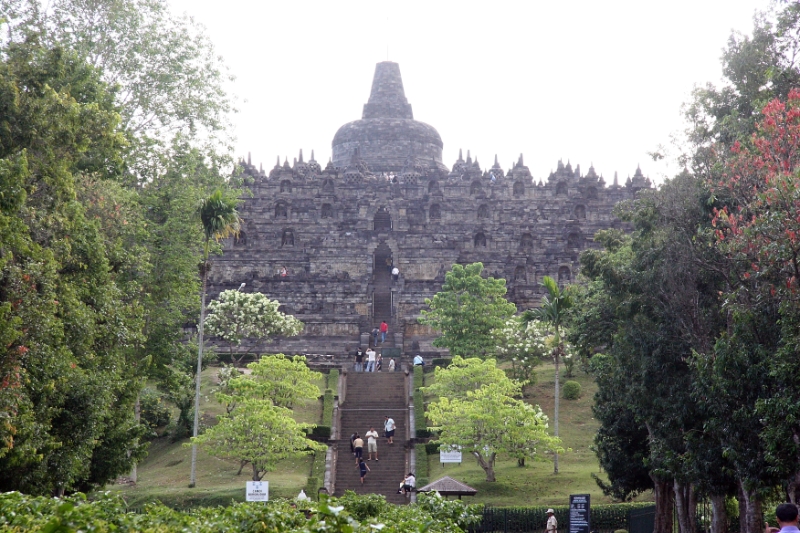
{"x":585,"y":81}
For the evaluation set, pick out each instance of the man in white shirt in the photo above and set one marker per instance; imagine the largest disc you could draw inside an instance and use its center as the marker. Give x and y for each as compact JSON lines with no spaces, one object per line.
{"x":370,"y":360}
{"x":372,"y":443}
{"x":409,"y":482}
{"x":389,"y":426}
{"x":418,"y":360}
{"x":552,"y":523}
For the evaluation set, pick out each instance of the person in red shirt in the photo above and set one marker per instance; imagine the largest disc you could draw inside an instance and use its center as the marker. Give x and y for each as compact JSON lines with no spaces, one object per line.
{"x":384,"y":331}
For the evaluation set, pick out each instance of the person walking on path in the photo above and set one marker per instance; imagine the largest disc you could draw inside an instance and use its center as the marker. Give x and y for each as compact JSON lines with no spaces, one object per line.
{"x":358,"y":446}
{"x":375,"y":332}
{"x":363,"y":468}
{"x":379,"y":363}
{"x":372,"y":444}
{"x":384,"y":331}
{"x":552,"y":523}
{"x":391,"y":365}
{"x":418,"y":360}
{"x":389,"y":426}
{"x":371,"y":360}
{"x":352,"y":446}
{"x":359,"y":360}
{"x":395,"y":273}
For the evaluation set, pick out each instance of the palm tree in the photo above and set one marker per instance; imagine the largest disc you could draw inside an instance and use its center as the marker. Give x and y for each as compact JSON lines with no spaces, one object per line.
{"x":220,"y":220}
{"x":552,"y":311}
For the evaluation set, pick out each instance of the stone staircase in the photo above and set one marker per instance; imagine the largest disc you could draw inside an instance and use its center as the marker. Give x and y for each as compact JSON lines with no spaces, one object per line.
{"x":368,"y":398}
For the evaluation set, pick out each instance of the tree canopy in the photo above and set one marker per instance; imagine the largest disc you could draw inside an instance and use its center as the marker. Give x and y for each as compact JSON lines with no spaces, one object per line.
{"x":467,"y":311}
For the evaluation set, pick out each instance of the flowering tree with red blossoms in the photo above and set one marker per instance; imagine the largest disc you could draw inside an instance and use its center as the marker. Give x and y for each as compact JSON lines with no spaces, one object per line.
{"x":759,"y":225}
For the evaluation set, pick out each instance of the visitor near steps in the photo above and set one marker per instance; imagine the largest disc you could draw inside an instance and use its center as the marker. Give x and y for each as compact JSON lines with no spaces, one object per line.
{"x":552,"y":523}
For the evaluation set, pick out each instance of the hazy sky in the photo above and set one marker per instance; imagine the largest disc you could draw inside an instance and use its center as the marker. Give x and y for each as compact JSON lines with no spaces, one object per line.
{"x":590,"y":82}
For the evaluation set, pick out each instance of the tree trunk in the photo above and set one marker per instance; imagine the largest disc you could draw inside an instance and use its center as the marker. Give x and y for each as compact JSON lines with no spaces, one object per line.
{"x":256,"y":476}
{"x":719,"y":515}
{"x":686,"y":505}
{"x":487,"y":465}
{"x":742,"y":509}
{"x":193,"y":477}
{"x":663,"y":498}
{"x":242,"y":464}
{"x":555,"y":421}
{"x":137,"y":415}
{"x":753,"y":519}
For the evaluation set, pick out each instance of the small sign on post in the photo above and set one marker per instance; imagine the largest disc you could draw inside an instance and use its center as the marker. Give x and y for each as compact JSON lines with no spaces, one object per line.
{"x":579,"y":513}
{"x":257,"y":491}
{"x":450,"y":455}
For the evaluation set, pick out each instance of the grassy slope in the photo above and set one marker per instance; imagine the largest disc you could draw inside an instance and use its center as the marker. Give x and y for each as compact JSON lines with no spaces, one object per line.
{"x":164,"y":475}
{"x":535,"y":484}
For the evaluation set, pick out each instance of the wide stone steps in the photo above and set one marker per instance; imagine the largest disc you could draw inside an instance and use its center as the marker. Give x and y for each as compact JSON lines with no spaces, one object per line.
{"x":368,"y":399}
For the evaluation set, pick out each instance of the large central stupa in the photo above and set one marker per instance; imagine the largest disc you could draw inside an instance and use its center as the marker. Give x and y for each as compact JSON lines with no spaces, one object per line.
{"x":387,"y":137}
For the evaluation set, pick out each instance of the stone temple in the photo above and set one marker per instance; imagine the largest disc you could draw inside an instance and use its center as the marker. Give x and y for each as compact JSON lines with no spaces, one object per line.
{"x":319,"y":239}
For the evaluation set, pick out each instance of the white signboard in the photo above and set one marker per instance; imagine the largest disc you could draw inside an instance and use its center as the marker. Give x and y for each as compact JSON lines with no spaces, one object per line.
{"x":257,"y":491}
{"x":450,"y":455}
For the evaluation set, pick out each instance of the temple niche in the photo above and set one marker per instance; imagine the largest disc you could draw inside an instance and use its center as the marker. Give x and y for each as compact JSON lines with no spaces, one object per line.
{"x":319,"y":236}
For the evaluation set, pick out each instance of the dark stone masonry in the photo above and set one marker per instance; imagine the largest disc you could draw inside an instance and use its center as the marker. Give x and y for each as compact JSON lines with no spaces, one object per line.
{"x":321,"y":240}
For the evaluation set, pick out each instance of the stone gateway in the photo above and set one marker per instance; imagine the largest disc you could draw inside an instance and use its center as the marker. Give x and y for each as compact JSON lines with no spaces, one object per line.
{"x":324,"y":241}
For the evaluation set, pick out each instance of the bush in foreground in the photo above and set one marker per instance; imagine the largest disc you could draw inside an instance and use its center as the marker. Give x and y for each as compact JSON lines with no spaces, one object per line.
{"x":350,"y":514}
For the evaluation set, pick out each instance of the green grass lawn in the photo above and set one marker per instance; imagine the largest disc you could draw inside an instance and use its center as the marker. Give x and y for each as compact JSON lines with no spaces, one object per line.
{"x":164,"y":474}
{"x":535,"y":483}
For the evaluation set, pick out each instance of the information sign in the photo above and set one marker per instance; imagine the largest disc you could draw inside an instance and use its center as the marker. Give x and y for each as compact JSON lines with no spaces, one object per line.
{"x":579,"y":513}
{"x":257,"y":491}
{"x":450,"y":455}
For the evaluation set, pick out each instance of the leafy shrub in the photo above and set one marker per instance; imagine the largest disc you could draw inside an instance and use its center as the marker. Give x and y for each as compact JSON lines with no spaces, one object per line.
{"x":572,"y":390}
{"x":432,"y":448}
{"x":351,"y":513}
{"x":154,"y":411}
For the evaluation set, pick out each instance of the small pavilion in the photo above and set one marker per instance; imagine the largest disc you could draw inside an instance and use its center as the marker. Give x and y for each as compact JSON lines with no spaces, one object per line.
{"x":448,"y":486}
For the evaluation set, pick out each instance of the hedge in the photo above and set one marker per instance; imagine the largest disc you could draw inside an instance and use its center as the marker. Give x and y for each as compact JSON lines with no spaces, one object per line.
{"x":316,"y":478}
{"x":432,"y":448}
{"x":605,"y":518}
{"x":333,"y":380}
{"x":442,"y":362}
{"x":419,"y":379}
{"x":423,"y":466}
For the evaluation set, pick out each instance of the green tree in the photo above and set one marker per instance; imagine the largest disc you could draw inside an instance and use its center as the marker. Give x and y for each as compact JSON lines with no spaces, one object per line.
{"x":523,"y":345}
{"x":469,"y":375}
{"x":68,"y":289}
{"x":278,"y":379}
{"x":467,"y":310}
{"x":259,"y":433}
{"x":235,"y":316}
{"x":487,"y":422}
{"x":220,"y":220}
{"x":553,"y":312}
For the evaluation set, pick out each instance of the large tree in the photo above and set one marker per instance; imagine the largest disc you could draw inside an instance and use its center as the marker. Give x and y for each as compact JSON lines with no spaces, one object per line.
{"x":69,"y":294}
{"x":487,"y":423}
{"x":467,"y":311}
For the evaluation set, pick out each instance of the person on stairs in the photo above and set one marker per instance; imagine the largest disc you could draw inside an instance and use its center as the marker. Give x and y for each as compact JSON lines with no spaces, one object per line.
{"x":379,"y":362}
{"x":407,"y":486}
{"x":384,"y":331}
{"x":372,"y":444}
{"x":359,"y":360}
{"x":358,"y":446}
{"x":389,"y":426}
{"x":363,"y":468}
{"x":375,"y":332}
{"x":370,"y":359}
{"x":391,"y":365}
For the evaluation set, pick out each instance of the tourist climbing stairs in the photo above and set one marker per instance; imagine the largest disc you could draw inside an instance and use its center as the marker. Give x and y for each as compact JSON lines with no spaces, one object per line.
{"x":369,"y":397}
